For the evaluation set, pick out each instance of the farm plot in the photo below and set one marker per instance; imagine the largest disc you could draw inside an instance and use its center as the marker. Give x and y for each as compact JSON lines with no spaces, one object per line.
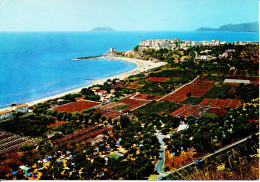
{"x":148,"y":97}
{"x":233,"y":104}
{"x":223,"y":103}
{"x":181,"y":94}
{"x":199,"y":112}
{"x":133,"y":104}
{"x":180,"y":110}
{"x":201,"y":79}
{"x":157,"y":79}
{"x":10,"y":142}
{"x":189,"y":111}
{"x":214,"y":103}
{"x":205,"y":101}
{"x":220,"y":103}
{"x":82,"y":135}
{"x":218,"y":112}
{"x":77,"y":106}
{"x":158,"y":107}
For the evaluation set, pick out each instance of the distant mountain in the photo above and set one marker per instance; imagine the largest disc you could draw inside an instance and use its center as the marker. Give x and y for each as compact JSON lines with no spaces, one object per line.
{"x":102,"y":29}
{"x":244,"y":27}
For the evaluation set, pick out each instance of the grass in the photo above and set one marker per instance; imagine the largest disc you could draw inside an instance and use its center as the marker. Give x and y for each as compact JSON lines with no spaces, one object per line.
{"x":243,"y":169}
{"x":122,"y":107}
{"x":215,"y":91}
{"x":193,"y":100}
{"x":210,"y":115}
{"x":158,"y":107}
{"x":113,"y":156}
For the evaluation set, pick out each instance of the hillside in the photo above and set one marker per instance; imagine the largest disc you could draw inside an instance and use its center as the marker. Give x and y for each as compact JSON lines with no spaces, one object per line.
{"x":244,"y":27}
{"x":102,"y":29}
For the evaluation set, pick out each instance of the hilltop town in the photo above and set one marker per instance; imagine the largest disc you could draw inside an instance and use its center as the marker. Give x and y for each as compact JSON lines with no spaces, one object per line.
{"x":201,"y":105}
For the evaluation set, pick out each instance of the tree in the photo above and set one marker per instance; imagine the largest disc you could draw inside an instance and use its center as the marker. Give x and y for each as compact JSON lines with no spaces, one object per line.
{"x":124,"y":121}
{"x":26,"y":147}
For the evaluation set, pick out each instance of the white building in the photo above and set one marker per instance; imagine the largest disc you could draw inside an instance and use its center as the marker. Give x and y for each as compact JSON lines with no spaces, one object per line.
{"x":236,"y":81}
{"x":182,"y":126}
{"x":223,"y":43}
{"x":203,"y":57}
{"x":112,"y":50}
{"x":5,"y":114}
{"x":213,"y":42}
{"x":107,"y":98}
{"x":20,"y":108}
{"x":102,"y":92}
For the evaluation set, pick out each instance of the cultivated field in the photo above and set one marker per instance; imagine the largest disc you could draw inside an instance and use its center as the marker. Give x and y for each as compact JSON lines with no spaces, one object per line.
{"x":76,"y":106}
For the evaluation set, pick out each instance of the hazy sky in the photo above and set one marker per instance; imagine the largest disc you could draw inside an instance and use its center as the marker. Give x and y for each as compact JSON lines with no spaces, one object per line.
{"x":83,"y":15}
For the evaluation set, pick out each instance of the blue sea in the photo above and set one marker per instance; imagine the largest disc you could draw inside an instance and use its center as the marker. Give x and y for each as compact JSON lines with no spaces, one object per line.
{"x":35,"y":65}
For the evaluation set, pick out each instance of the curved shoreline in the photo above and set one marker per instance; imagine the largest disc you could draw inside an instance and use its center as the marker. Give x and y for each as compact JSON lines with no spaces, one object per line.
{"x":142,"y":66}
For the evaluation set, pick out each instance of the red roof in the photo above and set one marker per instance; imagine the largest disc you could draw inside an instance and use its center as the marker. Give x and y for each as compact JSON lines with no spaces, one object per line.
{"x":101,"y":91}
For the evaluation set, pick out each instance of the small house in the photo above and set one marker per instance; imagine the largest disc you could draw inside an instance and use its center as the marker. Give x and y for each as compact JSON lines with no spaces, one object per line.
{"x":95,"y":89}
{"x":102,"y":92}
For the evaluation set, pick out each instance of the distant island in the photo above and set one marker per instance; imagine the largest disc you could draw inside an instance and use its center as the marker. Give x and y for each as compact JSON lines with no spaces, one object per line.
{"x":102,"y":29}
{"x":243,"y":27}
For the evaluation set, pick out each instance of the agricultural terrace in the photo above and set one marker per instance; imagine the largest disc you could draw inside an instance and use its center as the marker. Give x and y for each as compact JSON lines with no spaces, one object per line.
{"x":10,"y":142}
{"x":220,"y":103}
{"x":114,"y":109}
{"x":157,"y":79}
{"x":193,"y":89}
{"x":76,"y":106}
{"x":148,"y":97}
{"x":133,"y":104}
{"x":157,"y":107}
{"x":189,"y":110}
{"x":218,"y":112}
{"x":82,"y":135}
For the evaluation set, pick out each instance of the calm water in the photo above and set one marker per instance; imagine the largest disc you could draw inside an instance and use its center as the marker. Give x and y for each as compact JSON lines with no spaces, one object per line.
{"x":35,"y":65}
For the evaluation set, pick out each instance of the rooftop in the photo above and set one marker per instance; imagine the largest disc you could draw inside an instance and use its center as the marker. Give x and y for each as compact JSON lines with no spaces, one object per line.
{"x":21,"y":105}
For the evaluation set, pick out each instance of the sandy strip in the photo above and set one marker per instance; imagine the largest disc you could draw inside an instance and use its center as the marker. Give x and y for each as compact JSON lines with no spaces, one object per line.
{"x":142,"y":66}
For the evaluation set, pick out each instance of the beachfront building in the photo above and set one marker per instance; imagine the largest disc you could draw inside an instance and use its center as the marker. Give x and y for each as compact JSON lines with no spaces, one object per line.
{"x":20,"y":108}
{"x":5,"y":114}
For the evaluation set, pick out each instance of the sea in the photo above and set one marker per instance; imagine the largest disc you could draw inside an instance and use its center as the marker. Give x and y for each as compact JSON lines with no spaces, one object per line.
{"x":36,"y":65}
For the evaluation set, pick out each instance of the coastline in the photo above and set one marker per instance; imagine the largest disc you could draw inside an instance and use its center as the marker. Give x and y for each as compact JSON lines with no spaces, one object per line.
{"x":142,"y":65}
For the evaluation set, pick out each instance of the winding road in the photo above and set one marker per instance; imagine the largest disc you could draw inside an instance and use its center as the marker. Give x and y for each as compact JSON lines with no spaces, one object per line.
{"x":164,"y":174}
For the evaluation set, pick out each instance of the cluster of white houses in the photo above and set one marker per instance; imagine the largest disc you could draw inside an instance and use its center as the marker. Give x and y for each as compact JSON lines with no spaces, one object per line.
{"x":18,"y":108}
{"x":185,"y":44}
{"x":104,"y":96}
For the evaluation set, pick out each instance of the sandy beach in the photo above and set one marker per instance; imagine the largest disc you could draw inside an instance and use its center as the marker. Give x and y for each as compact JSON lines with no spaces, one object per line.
{"x":142,"y":65}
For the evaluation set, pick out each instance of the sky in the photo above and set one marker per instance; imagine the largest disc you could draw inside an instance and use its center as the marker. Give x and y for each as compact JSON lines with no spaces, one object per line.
{"x":124,"y":15}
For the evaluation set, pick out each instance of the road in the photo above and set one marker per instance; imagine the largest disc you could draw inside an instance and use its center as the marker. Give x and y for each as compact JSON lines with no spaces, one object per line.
{"x":164,"y":174}
{"x":160,"y":163}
